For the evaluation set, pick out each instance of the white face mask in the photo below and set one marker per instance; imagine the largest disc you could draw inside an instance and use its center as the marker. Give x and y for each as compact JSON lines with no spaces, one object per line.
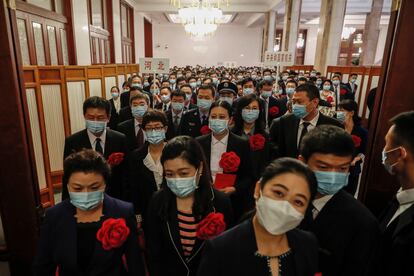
{"x":277,"y":216}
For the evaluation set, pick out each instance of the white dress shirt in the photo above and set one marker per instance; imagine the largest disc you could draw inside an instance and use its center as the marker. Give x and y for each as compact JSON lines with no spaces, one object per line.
{"x":266,"y":109}
{"x":92,"y":140}
{"x":312,"y":125}
{"x":137,"y":127}
{"x":217,"y":149}
{"x":117,"y":103}
{"x":406,"y":200}
{"x":319,"y":203}
{"x":156,"y":169}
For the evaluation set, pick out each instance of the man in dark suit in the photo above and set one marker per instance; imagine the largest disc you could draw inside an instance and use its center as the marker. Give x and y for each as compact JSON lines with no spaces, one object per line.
{"x":193,"y":120}
{"x":96,"y":111}
{"x":175,"y":114}
{"x":125,"y":112}
{"x":341,"y":90}
{"x":346,"y":230}
{"x":115,"y":108}
{"x":352,"y":86}
{"x":273,"y":108}
{"x":132,"y":128}
{"x":165,"y":96}
{"x":188,"y":105}
{"x":125,"y":90}
{"x":287,"y":131}
{"x":396,"y":248}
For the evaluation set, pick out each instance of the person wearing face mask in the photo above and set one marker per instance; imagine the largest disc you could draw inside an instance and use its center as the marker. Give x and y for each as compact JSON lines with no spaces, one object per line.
{"x":189,"y":97}
{"x":286,"y":132}
{"x":228,"y":92}
{"x":132,"y":127}
{"x":273,"y":108}
{"x":154,"y":90}
{"x":319,"y":83}
{"x":396,"y":246}
{"x":348,"y":114}
{"x":96,"y":136}
{"x":181,"y":81}
{"x":269,"y":243}
{"x":352,"y":86}
{"x":164,"y":99}
{"x":175,"y":114}
{"x":186,"y":198}
{"x":193,"y":120}
{"x":173,"y":81}
{"x":249,"y":86}
{"x":341,"y":91}
{"x":125,"y":98}
{"x":68,"y":235}
{"x":267,"y":74}
{"x":290,"y":90}
{"x":346,"y":230}
{"x":192,"y":81}
{"x":220,"y":141}
{"x":115,"y":103}
{"x":145,"y":173}
{"x":327,"y":103}
{"x":249,"y":121}
{"x":125,"y":112}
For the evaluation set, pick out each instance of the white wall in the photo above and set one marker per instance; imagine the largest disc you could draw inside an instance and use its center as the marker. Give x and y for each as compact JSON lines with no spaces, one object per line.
{"x":81,"y":32}
{"x":230,"y":43}
{"x":311,"y":45}
{"x":139,"y":35}
{"x":116,"y":11}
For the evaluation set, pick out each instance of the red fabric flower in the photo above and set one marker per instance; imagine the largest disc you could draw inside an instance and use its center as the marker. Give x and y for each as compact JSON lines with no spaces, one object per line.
{"x":273,"y":111}
{"x":329,"y":99}
{"x":115,"y":159}
{"x":211,"y":226}
{"x":229,"y":162}
{"x":205,"y":130}
{"x":257,"y":142}
{"x":342,"y":91}
{"x":318,"y":274}
{"x":113,"y":233}
{"x":357,"y":141}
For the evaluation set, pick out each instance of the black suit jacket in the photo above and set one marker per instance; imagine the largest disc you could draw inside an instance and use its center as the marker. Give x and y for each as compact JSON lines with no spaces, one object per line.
{"x":281,"y":106}
{"x":347,"y":233}
{"x":57,"y":245}
{"x":125,"y":99}
{"x":128,"y":128}
{"x":233,"y":253}
{"x":115,"y":142}
{"x":242,"y":199}
{"x":125,"y":114}
{"x":190,"y":107}
{"x":395,"y":253}
{"x":171,"y":131}
{"x":345,"y":94}
{"x":114,"y":119}
{"x":191,"y":123}
{"x":353,"y":91}
{"x":165,"y":253}
{"x":284,"y":134}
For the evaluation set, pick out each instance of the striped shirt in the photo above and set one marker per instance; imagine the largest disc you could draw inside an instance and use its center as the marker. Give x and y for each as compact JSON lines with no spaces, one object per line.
{"x":188,"y":227}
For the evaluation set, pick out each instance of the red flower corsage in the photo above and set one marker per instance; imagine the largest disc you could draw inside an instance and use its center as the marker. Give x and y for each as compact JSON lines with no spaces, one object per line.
{"x":273,"y":111}
{"x":211,"y":226}
{"x":205,"y":130}
{"x":357,"y":141}
{"x":257,"y":142}
{"x":229,"y":162}
{"x":329,"y":99}
{"x":113,"y":233}
{"x":116,"y":158}
{"x":342,"y":91}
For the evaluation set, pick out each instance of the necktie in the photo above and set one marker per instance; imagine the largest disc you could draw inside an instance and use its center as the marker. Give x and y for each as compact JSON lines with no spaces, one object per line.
{"x":165,"y":108}
{"x":304,"y":131}
{"x":98,"y":146}
{"x":175,"y":122}
{"x":204,"y":120}
{"x":140,"y":138}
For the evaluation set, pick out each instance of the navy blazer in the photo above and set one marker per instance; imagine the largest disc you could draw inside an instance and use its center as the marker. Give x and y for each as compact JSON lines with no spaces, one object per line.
{"x":233,"y":253}
{"x":191,"y":123}
{"x":57,"y":245}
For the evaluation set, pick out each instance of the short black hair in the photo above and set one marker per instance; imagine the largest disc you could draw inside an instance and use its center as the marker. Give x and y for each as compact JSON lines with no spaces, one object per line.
{"x":153,"y":116}
{"x":351,"y":105}
{"x":292,"y":81}
{"x":267,"y":70}
{"x":186,"y":85}
{"x":353,"y":74}
{"x":290,"y":165}
{"x":327,"y":139}
{"x":86,"y":161}
{"x":223,"y":104}
{"x":311,"y":90}
{"x":208,"y":87}
{"x":97,"y":102}
{"x":303,"y":79}
{"x":263,"y":83}
{"x":125,"y":83}
{"x":139,"y":96}
{"x":181,"y":79}
{"x":178,"y":93}
{"x":246,"y":80}
{"x":404,"y":130}
{"x":166,"y":87}
{"x":135,"y":88}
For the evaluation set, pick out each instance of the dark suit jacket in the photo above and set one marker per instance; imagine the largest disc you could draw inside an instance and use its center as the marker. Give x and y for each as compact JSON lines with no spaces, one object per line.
{"x":128,"y":128}
{"x":165,"y":253}
{"x":242,"y":199}
{"x":395,"y":253}
{"x":345,"y":94}
{"x":353,"y":91}
{"x":125,"y":99}
{"x":114,"y":119}
{"x":281,"y":106}
{"x":171,"y":131}
{"x":347,"y":233}
{"x":233,"y":253}
{"x":191,"y":123}
{"x":57,"y":246}
{"x":125,"y":114}
{"x":190,"y":107}
{"x":284,"y":134}
{"x":115,"y":142}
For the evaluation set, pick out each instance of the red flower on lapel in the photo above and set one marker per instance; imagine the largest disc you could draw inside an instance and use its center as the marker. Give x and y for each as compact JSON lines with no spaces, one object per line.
{"x":113,"y":233}
{"x":257,"y":142}
{"x":273,"y":111}
{"x":211,"y":226}
{"x":229,"y":162}
{"x":342,"y":91}
{"x":116,"y":158}
{"x":329,"y":99}
{"x":205,"y":130}
{"x":357,"y":141}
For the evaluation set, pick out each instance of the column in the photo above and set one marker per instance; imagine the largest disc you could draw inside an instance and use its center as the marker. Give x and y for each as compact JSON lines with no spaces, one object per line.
{"x":291,"y":25}
{"x":328,"y":42}
{"x":371,"y":33}
{"x":116,"y":15}
{"x":271,"y":31}
{"x":265,"y":35}
{"x":81,"y":32}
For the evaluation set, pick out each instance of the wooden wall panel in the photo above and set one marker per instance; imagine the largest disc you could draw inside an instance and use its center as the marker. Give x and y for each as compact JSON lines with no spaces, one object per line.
{"x":76,"y":97}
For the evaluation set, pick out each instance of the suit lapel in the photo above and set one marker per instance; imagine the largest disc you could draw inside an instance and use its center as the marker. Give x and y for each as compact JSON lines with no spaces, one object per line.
{"x":85,"y":142}
{"x":108,"y":149}
{"x":68,"y":233}
{"x":405,"y":219}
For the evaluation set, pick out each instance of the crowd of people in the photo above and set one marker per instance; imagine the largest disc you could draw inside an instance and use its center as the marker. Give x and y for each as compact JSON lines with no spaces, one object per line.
{"x":227,"y":171}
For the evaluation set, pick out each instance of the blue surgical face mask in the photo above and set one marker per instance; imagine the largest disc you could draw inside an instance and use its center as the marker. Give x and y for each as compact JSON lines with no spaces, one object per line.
{"x":335,"y":82}
{"x":266,"y":94}
{"x":177,"y":106}
{"x":137,"y":85}
{"x":155,"y":91}
{"x":86,"y":200}
{"x":172,"y":81}
{"x":204,"y":104}
{"x":165,"y":98}
{"x":290,"y":91}
{"x":284,"y":78}
{"x":146,"y":83}
{"x":250,"y":115}
{"x":155,"y":137}
{"x":188,"y":97}
{"x":184,"y":186}
{"x":139,"y":111}
{"x":215,"y":80}
{"x":198,"y":83}
{"x":95,"y":127}
{"x":330,"y":183}
{"x":389,"y":167}
{"x":299,"y":111}
{"x":227,"y":99}
{"x":218,"y":126}
{"x":318,"y":82}
{"x":352,"y":80}
{"x":341,"y":116}
{"x":268,"y":78}
{"x":193,"y":85}
{"x":115,"y":95}
{"x":247,"y":91}
{"x":327,"y":87}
